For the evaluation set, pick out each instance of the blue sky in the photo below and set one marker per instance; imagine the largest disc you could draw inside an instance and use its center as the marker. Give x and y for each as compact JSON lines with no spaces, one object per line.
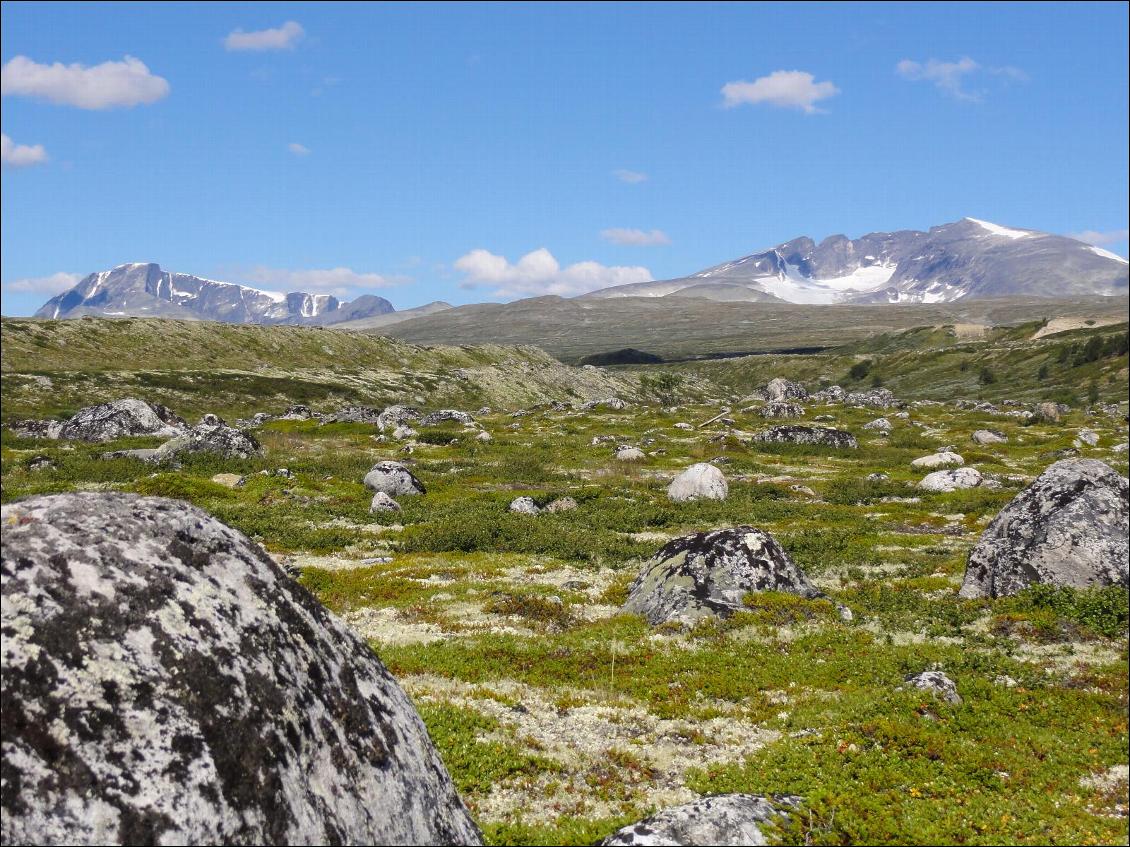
{"x":421,"y":151}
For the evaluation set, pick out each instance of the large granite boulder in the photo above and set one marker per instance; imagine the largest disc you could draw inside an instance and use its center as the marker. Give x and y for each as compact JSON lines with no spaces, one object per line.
{"x":781,"y":409}
{"x":165,"y":682}
{"x":37,"y":429}
{"x":709,"y":574}
{"x":784,"y":389}
{"x":875,"y":398}
{"x":355,"y":414}
{"x":722,"y":819}
{"x":951,"y":480}
{"x":394,"y":416}
{"x":941,"y":459}
{"x":393,"y":479}
{"x":444,"y":415}
{"x":225,"y":441}
{"x":702,"y":481}
{"x":1069,"y":527}
{"x":815,"y":435}
{"x":121,"y":419}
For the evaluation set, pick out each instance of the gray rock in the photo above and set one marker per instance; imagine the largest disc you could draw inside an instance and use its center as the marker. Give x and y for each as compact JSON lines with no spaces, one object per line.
{"x":1088,"y":437}
{"x":404,"y":432}
{"x":709,"y":574}
{"x":524,"y":506}
{"x":815,"y":435}
{"x":561,"y":504}
{"x":1069,"y":527}
{"x":40,"y":463}
{"x":381,"y":502}
{"x":878,"y":476}
{"x":297,"y":412}
{"x":936,"y":683}
{"x":781,"y":409}
{"x":37,"y":429}
{"x":683,"y":425}
{"x":951,"y":480}
{"x":881,"y":425}
{"x":121,"y":419}
{"x":875,"y":398}
{"x":443,"y":415}
{"x":1048,"y":413}
{"x":989,"y":436}
{"x":783,"y":389}
{"x":941,"y":459}
{"x":165,"y":682}
{"x":484,"y":437}
{"x":700,"y":481}
{"x":393,"y":479}
{"x":207,"y":438}
{"x":831,"y":394}
{"x":143,"y":454}
{"x":355,"y":414}
{"x":629,"y":454}
{"x":719,"y":819}
{"x":395,"y":416}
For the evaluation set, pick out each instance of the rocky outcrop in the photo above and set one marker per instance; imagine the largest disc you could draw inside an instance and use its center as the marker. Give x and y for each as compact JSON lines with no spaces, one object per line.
{"x":393,"y":479}
{"x":722,"y":819}
{"x":710,"y":573}
{"x":221,"y":440}
{"x":119,"y":419}
{"x":951,"y":480}
{"x":394,"y":416}
{"x":165,"y":682}
{"x":935,"y":683}
{"x":355,"y":414}
{"x":297,"y":412}
{"x":876,"y":398}
{"x":781,"y":409}
{"x":701,"y":481}
{"x":444,"y":415}
{"x":831,"y":394}
{"x":1069,"y":527}
{"x":37,"y":429}
{"x":783,"y":389}
{"x":815,"y":435}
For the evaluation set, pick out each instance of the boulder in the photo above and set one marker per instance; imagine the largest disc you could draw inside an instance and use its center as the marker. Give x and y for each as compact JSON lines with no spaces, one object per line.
{"x":381,"y":502}
{"x":484,"y":437}
{"x":989,"y":436}
{"x":403,"y":432}
{"x":212,"y":420}
{"x":781,"y":409}
{"x":722,"y":819}
{"x":1069,"y":527}
{"x":935,"y":683}
{"x":783,"y":389}
{"x":941,"y":459}
{"x":394,"y":416}
{"x":1088,"y":437}
{"x":561,"y":504}
{"x":629,"y":454}
{"x":709,"y":574}
{"x":524,"y":506}
{"x":701,"y":481}
{"x":355,"y":414}
{"x":683,"y":425}
{"x":444,"y":415}
{"x":876,"y":398}
{"x":121,"y":419}
{"x":393,"y":479}
{"x":164,"y":681}
{"x":208,"y":438}
{"x":297,"y":412}
{"x":951,"y":480}
{"x":37,"y":429}
{"x":831,"y":394}
{"x":815,"y":435}
{"x":880,"y":425}
{"x":229,"y":480}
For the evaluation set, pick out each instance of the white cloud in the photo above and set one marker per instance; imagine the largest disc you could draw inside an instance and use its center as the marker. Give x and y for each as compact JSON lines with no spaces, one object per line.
{"x":787,"y":89}
{"x":53,"y":284}
{"x":538,"y":273}
{"x":341,"y":282}
{"x":298,"y":149}
{"x":279,"y":38}
{"x":1090,"y":236}
{"x":635,"y":237}
{"x":105,"y":86}
{"x":20,"y":155}
{"x":631,"y":177}
{"x":950,"y":77}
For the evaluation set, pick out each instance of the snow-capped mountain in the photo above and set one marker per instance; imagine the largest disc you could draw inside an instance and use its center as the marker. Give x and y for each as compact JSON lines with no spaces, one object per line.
{"x":144,"y":290}
{"x":963,"y":260}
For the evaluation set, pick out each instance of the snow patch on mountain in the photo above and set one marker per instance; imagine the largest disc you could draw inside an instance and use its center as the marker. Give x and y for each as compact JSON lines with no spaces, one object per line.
{"x":997,"y":229}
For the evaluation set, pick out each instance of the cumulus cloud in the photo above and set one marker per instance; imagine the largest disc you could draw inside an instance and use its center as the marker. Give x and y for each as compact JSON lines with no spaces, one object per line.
{"x":106,"y":86}
{"x":20,"y":155}
{"x":52,"y":284}
{"x":1099,"y":239}
{"x":538,"y":272}
{"x":341,"y":282}
{"x":635,"y":237}
{"x":298,"y":149}
{"x":951,"y":77}
{"x":280,"y":38}
{"x":787,"y":89}
{"x":631,"y":177}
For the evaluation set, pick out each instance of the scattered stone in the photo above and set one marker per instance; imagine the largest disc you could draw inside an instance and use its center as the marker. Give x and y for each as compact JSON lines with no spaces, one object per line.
{"x":212,"y":420}
{"x":355,"y":414}
{"x":165,"y":682}
{"x":684,"y":425}
{"x":1048,"y":413}
{"x":1069,"y":527}
{"x":824,"y":419}
{"x":37,"y":429}
{"x":222,"y":440}
{"x":1120,"y":448}
{"x":815,"y":435}
{"x":876,"y":398}
{"x":443,"y":415}
{"x":951,"y":480}
{"x":878,"y":476}
{"x":394,"y":416}
{"x":709,"y":574}
{"x":297,"y":412}
{"x":229,"y":480}
{"x":381,"y":502}
{"x":143,"y":454}
{"x":484,"y":437}
{"x":629,"y":454}
{"x":941,"y":459}
{"x":831,"y":394}
{"x":783,"y":389}
{"x":722,"y":819}
{"x":394,"y":479}
{"x":402,"y":433}
{"x":936,"y":683}
{"x":284,"y":472}
{"x":1088,"y":437}
{"x":880,"y":425}
{"x":989,"y":436}
{"x":781,"y":409}
{"x":803,"y":489}
{"x":40,"y":463}
{"x":699,"y":481}
{"x":561,"y":504}
{"x":524,"y":506}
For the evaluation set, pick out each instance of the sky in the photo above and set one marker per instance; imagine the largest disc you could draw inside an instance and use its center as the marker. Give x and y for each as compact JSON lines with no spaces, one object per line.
{"x":471,"y":152}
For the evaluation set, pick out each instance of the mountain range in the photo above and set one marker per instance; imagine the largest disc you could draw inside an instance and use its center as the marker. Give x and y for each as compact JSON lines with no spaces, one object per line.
{"x":965,"y":260}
